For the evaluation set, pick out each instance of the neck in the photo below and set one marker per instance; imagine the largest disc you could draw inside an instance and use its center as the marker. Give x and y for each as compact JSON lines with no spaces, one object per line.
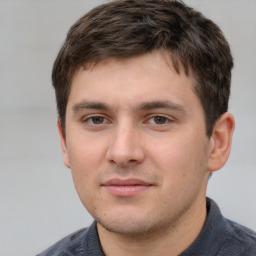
{"x":169,"y":241}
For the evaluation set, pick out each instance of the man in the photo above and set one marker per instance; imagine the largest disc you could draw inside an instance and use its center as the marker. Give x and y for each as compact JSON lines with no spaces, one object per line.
{"x":142,"y":91}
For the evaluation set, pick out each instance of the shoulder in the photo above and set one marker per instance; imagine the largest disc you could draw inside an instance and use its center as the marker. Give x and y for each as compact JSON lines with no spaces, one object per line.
{"x":221,"y":236}
{"x":82,"y":242}
{"x":71,"y":245}
{"x":241,"y":239}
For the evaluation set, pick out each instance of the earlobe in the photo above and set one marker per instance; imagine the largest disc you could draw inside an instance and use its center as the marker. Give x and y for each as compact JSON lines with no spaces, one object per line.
{"x":63,"y":145}
{"x":220,"y":141}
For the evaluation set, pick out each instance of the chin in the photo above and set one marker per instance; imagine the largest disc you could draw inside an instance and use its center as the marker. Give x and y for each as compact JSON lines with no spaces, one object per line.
{"x":131,"y":224}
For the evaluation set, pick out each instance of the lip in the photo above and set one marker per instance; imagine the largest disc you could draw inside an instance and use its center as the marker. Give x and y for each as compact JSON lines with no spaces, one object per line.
{"x":127,"y":187}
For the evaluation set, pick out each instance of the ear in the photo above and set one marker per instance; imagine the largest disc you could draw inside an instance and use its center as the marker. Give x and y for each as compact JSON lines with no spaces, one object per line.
{"x":220,"y":141}
{"x":63,"y":145}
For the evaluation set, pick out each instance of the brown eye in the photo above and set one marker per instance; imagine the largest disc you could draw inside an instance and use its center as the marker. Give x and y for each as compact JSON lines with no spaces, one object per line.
{"x":160,"y":120}
{"x":97,"y":119}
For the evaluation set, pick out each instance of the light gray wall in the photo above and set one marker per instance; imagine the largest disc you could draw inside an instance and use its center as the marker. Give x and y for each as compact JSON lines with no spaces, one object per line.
{"x":38,"y":203}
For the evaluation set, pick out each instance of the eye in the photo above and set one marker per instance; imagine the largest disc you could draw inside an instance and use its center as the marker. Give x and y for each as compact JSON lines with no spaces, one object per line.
{"x":97,"y":119}
{"x":160,"y":120}
{"x":96,"y":122}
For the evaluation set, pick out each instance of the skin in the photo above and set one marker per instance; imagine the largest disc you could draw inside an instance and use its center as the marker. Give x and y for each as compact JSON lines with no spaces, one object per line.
{"x":138,"y":119}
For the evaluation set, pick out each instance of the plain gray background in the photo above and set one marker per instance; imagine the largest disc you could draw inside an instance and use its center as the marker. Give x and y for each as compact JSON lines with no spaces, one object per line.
{"x":38,"y":203}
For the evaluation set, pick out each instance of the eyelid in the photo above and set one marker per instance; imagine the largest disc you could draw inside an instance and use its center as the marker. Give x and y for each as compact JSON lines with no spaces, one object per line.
{"x":85,"y":119}
{"x":152,"y":125}
{"x":168,"y":118}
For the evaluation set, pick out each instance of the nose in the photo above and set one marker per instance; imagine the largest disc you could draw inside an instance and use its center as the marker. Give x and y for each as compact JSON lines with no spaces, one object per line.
{"x":126,"y":147}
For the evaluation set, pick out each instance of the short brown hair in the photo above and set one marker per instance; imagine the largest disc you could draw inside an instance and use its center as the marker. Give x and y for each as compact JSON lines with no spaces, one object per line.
{"x":126,"y":28}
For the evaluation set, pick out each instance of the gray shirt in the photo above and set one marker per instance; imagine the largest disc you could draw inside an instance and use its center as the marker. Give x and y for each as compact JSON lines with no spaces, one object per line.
{"x":219,"y":236}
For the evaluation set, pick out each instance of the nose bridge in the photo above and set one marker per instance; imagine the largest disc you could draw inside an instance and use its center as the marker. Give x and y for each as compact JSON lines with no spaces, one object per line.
{"x":125,"y":146}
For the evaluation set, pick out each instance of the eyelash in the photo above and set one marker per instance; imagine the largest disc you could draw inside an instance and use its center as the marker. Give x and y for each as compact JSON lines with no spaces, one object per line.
{"x":89,"y":120}
{"x":104,"y":120}
{"x":159,"y":117}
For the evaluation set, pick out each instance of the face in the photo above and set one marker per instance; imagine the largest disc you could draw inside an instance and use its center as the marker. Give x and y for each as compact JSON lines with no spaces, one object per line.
{"x":136,"y":143}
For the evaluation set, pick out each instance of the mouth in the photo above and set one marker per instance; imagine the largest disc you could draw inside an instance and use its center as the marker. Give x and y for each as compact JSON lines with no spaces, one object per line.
{"x":126,"y":188}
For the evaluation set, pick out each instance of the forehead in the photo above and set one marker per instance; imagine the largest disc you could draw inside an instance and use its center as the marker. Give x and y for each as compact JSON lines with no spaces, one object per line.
{"x":129,"y":81}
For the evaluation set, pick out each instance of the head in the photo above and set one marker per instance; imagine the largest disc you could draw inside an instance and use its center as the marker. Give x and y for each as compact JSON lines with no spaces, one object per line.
{"x":127,"y":28}
{"x":142,"y":88}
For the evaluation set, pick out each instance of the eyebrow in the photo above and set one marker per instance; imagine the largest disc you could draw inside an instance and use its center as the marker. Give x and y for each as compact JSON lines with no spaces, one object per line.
{"x":166,"y":104}
{"x":161,"y":104}
{"x":89,"y":105}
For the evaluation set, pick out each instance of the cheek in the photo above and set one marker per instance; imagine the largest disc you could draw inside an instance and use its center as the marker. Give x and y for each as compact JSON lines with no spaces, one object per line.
{"x":180,"y":157}
{"x":169,"y":152}
{"x":85,"y":163}
{"x":86,"y":159}
{"x":84,"y":152}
